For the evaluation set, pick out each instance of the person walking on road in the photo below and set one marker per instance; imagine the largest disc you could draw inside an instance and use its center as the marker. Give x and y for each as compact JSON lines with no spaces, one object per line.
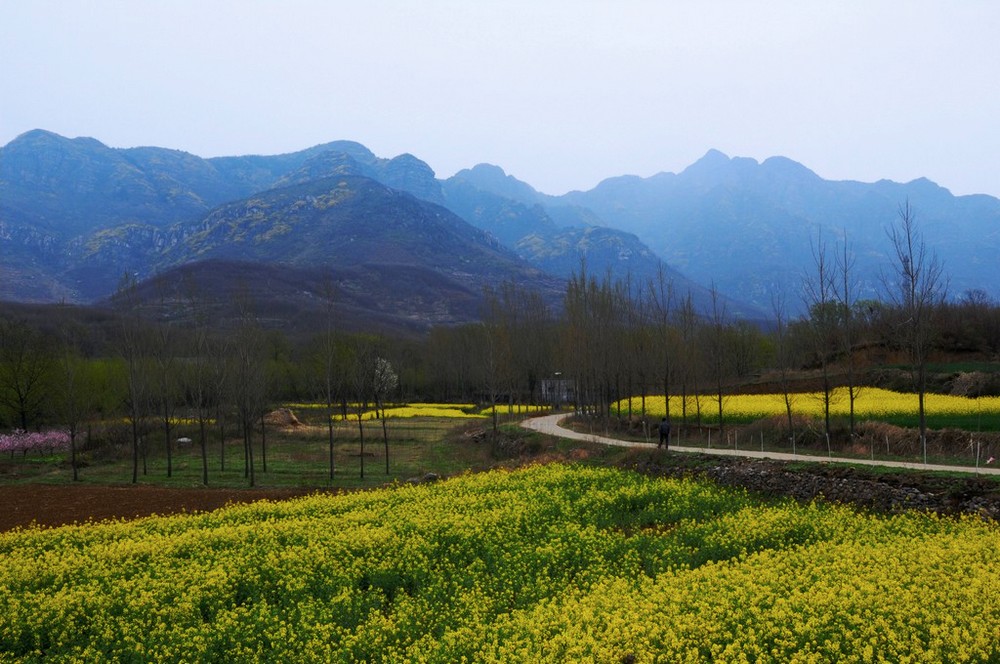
{"x":664,"y":434}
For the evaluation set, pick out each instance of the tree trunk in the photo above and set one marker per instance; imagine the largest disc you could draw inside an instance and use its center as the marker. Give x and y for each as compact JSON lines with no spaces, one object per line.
{"x":263,"y":443}
{"x":204,"y":450}
{"x":135,"y":452}
{"x":72,"y":452}
{"x":329,"y":427}
{"x":361,"y":433}
{"x":385,"y":438}
{"x":166,"y":433}
{"x":222,"y":440}
{"x":248,"y":443}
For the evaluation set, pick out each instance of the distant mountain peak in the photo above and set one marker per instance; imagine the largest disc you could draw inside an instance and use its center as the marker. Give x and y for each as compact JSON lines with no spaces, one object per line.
{"x":717,"y":167}
{"x":495,"y":180}
{"x":39,"y":135}
{"x":712,"y":163}
{"x":714,"y":156}
{"x":356,"y":150}
{"x":323,"y":164}
{"x":484,"y":175}
{"x":36,"y":138}
{"x":488,"y":170}
{"x":409,"y":157}
{"x":413,"y":175}
{"x":927,"y":185}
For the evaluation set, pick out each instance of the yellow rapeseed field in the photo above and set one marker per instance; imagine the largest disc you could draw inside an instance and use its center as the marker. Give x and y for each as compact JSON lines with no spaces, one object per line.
{"x":552,"y":563}
{"x":871,"y":403}
{"x":456,"y":411}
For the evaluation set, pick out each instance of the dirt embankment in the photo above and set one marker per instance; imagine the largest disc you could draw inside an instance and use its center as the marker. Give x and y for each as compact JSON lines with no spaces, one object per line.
{"x":57,"y":505}
{"x":877,"y":492}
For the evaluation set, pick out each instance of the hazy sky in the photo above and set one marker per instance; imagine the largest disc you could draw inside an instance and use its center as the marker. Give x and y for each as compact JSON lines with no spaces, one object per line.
{"x":560,"y":93}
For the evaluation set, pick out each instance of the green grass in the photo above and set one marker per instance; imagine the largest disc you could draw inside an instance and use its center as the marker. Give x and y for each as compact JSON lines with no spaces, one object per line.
{"x":295,"y":458}
{"x":965,"y":422}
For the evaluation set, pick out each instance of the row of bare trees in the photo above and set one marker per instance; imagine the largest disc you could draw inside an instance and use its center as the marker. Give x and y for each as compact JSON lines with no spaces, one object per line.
{"x":911,"y":316}
{"x":624,"y":338}
{"x":213,"y":377}
{"x":156,"y":372}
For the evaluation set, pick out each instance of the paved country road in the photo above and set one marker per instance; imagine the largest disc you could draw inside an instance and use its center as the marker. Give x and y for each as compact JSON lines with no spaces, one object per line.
{"x":550,"y":425}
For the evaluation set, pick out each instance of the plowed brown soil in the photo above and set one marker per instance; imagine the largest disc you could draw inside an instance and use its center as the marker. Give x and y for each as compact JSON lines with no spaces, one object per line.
{"x":57,"y":505}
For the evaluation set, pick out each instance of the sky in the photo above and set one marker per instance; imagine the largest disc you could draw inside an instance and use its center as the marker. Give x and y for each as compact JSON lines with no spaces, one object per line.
{"x":560,"y":93}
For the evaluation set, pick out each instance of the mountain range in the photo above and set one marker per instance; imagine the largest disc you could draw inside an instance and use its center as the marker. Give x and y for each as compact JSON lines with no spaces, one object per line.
{"x":404,"y":249}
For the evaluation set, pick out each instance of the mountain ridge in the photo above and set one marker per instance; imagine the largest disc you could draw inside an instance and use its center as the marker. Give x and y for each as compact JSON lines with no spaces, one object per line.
{"x":73,"y":210}
{"x":301,"y":221}
{"x":723,"y":212}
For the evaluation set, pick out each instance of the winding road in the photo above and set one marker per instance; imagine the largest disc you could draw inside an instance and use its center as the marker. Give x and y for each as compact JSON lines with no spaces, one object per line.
{"x":550,"y":425}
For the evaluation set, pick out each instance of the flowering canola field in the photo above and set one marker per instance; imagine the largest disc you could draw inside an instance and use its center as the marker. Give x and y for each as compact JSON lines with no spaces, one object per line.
{"x":447,"y":410}
{"x":871,"y":403}
{"x":552,"y":563}
{"x":461,"y":411}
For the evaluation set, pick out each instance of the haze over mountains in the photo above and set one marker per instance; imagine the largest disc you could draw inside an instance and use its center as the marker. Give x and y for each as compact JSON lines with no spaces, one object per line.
{"x":407,"y":249}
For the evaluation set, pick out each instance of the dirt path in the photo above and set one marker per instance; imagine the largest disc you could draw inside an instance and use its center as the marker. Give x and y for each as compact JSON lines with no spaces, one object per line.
{"x":961,"y":490}
{"x":550,"y":425}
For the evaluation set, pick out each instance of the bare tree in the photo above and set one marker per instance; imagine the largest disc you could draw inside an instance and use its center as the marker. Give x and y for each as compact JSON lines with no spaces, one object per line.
{"x":26,"y":368}
{"x":974,"y":323}
{"x":384,"y":381}
{"x":661,"y":295}
{"x":846,"y":293}
{"x":689,"y":366}
{"x":361,"y":376}
{"x":917,"y":287}
{"x":589,"y":330}
{"x":643,"y":345}
{"x":532,"y":321}
{"x":717,"y":350}
{"x":823,"y":313}
{"x":199,"y":381}
{"x":783,"y":357}
{"x":455,"y":357}
{"x":498,"y":354}
{"x":513,"y":314}
{"x":133,"y":348}
{"x":577,"y":344}
{"x":76,"y":390}
{"x":248,"y":382}
{"x":221,"y":371}
{"x":614,"y":305}
{"x":328,"y":359}
{"x":164,"y":354}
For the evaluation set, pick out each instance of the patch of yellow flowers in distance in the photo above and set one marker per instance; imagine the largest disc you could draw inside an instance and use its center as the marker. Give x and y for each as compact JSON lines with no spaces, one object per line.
{"x":552,"y":563}
{"x":444,"y":410}
{"x":870,"y":403}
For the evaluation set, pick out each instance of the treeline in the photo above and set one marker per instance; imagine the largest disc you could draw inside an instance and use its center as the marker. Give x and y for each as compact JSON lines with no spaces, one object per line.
{"x":610,"y":339}
{"x":71,"y":371}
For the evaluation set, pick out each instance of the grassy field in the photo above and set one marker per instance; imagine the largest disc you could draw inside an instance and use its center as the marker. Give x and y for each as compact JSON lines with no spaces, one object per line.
{"x":445,"y":439}
{"x":296,"y":456}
